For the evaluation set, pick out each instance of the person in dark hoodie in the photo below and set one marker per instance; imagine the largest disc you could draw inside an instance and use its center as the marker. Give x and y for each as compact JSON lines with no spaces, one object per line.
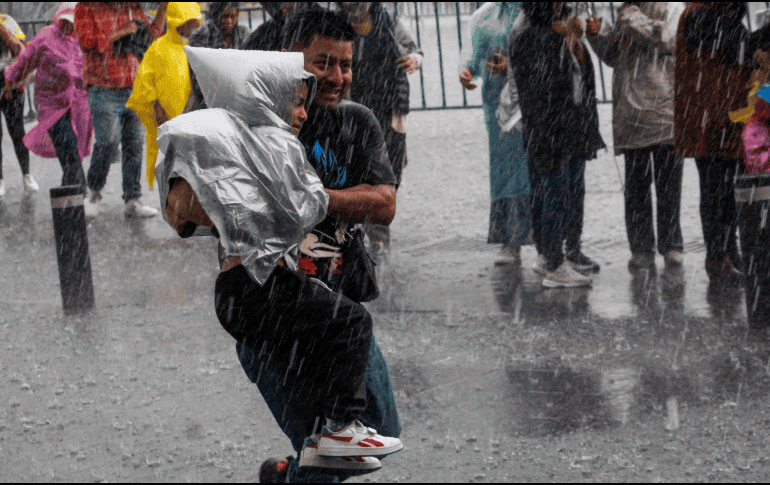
{"x":269,"y":35}
{"x":555,"y":78}
{"x":221,"y":30}
{"x":713,"y":64}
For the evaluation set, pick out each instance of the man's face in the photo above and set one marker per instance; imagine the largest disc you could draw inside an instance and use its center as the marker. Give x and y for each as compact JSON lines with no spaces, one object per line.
{"x":330,"y":60}
{"x":298,"y":113}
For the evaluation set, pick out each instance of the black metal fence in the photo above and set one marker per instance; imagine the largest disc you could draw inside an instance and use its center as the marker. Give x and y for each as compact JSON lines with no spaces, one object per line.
{"x":440,"y":29}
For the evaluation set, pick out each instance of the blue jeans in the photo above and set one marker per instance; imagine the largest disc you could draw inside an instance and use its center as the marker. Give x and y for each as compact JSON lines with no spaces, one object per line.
{"x":65,"y":142}
{"x":113,"y":124}
{"x":380,"y":412}
{"x":557,"y":211}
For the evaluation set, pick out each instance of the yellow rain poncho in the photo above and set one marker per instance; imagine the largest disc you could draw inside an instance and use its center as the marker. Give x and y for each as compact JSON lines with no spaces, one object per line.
{"x":163,"y":76}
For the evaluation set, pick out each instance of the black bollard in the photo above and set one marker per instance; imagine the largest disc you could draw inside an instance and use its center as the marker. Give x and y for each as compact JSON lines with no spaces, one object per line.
{"x":69,"y":226}
{"x":752,"y":193}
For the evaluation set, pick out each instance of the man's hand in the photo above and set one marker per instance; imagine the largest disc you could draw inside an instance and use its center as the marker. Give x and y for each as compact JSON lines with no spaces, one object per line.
{"x":407,"y":63}
{"x":594,"y":26}
{"x":465,"y":79}
{"x":364,"y":203}
{"x":499,"y":66}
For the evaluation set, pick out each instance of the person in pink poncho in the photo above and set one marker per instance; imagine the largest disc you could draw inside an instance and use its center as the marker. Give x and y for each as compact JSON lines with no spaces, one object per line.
{"x":64,"y":126}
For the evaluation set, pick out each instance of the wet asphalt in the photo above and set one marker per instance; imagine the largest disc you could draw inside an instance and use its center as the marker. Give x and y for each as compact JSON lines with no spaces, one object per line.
{"x":147,"y":385}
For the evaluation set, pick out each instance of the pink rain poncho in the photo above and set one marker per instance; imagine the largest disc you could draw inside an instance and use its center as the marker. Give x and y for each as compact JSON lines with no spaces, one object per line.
{"x":59,"y":86}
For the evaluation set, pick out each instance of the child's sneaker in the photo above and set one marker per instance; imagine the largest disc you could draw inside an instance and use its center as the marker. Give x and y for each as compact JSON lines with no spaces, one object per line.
{"x":352,"y":465}
{"x":353,"y":440}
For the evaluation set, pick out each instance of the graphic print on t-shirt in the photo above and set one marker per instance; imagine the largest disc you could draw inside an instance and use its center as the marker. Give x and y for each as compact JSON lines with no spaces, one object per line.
{"x":330,"y":171}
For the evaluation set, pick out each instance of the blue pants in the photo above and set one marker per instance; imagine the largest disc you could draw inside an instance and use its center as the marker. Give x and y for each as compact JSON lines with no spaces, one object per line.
{"x":114,"y":124}
{"x":380,"y":412}
{"x":557,"y":211}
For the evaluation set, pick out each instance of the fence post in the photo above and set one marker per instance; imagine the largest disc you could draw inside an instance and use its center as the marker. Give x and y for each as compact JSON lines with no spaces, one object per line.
{"x":440,"y":57}
{"x":72,"y":254}
{"x":460,"y":43}
{"x":419,"y":44}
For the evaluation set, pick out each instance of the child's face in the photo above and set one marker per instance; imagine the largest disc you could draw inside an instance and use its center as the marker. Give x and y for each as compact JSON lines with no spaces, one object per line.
{"x":298,"y":113}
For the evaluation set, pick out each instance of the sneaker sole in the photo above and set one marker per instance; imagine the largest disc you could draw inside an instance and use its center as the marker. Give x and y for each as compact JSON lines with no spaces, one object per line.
{"x":348,"y":463}
{"x":559,"y":284}
{"x":584,"y":267}
{"x":353,"y":451}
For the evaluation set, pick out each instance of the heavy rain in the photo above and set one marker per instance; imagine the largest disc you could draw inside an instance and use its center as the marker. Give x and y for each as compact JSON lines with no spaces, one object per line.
{"x":573,"y":286}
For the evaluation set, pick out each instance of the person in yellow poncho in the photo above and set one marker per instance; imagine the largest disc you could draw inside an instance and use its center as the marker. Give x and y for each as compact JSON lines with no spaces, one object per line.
{"x":162,"y":85}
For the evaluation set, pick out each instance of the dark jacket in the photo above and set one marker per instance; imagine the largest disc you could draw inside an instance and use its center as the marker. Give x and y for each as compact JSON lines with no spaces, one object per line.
{"x":376,"y":75}
{"x":557,"y":127}
{"x":713,"y":65}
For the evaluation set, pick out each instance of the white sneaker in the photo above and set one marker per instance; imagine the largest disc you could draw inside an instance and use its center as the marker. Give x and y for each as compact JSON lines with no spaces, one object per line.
{"x":2,"y":188}
{"x":134,"y":208}
{"x":539,"y":266}
{"x":310,"y":457}
{"x":355,"y":440}
{"x":565,"y":276}
{"x":91,"y":204}
{"x":29,"y":184}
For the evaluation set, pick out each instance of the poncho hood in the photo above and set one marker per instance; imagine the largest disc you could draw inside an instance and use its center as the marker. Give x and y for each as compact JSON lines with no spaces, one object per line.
{"x":177,"y":14}
{"x":260,"y":87}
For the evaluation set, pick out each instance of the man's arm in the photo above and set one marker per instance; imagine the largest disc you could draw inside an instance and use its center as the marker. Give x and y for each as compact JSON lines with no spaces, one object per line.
{"x":364,"y":203}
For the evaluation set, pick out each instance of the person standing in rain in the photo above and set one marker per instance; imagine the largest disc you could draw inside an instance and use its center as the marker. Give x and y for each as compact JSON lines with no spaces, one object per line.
{"x":713,"y":65}
{"x":269,"y":35}
{"x":557,"y":90}
{"x":640,"y":48}
{"x":510,"y":220}
{"x":108,"y":33}
{"x":162,"y":86}
{"x":221,"y":30}
{"x":378,"y":83}
{"x":64,"y":126}
{"x":344,"y":143}
{"x":12,"y":100}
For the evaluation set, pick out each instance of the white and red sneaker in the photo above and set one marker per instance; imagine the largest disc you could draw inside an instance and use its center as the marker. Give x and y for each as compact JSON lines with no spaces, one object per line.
{"x":357,"y":465}
{"x":355,"y":440}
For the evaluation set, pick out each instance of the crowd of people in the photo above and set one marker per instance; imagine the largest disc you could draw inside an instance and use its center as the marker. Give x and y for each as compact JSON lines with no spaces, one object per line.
{"x":309,"y":111}
{"x":678,"y":73}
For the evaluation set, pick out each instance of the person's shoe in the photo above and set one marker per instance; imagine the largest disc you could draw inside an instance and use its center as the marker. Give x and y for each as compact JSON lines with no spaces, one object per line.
{"x":274,"y":470}
{"x":640,"y":261}
{"x":509,"y":254}
{"x":581,"y":262}
{"x":565,"y":276}
{"x":134,"y":208}
{"x":29,"y":184}
{"x":357,"y":465}
{"x":355,"y":440}
{"x":674,"y":258}
{"x":722,"y":271}
{"x":91,"y":204}
{"x":2,"y":188}
{"x":539,"y":266}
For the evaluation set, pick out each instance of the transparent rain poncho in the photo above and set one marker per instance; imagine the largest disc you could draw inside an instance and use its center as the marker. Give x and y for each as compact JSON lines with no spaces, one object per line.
{"x":249,"y":172}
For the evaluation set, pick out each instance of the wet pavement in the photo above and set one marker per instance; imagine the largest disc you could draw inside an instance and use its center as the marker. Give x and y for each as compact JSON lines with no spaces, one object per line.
{"x":642,"y":376}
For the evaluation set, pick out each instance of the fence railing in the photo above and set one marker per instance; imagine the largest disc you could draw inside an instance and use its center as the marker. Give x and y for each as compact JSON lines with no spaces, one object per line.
{"x":440,"y":29}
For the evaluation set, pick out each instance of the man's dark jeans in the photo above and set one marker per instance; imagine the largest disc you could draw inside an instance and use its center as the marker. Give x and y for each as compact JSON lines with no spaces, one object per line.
{"x":557,"y":211}
{"x":645,"y":166}
{"x":717,"y":205}
{"x":65,"y":142}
